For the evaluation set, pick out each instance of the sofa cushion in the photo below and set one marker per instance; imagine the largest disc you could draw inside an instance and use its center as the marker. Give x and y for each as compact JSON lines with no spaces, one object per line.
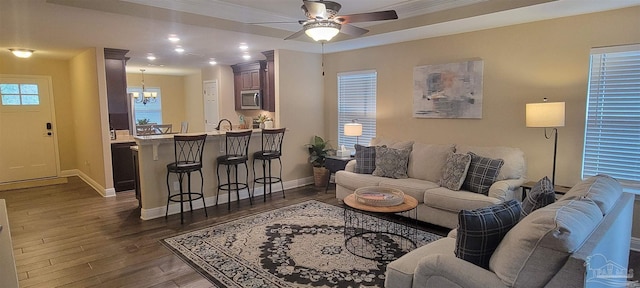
{"x":483,"y":172}
{"x":400,"y":272}
{"x":541,"y":194}
{"x":410,"y":186}
{"x":602,"y":189}
{"x":454,"y":201}
{"x":481,"y":230}
{"x":426,"y":161}
{"x":395,"y":144}
{"x":365,"y":159}
{"x":455,"y":171}
{"x":353,"y":181}
{"x":514,"y":164}
{"x":391,"y":162}
{"x":539,"y":245}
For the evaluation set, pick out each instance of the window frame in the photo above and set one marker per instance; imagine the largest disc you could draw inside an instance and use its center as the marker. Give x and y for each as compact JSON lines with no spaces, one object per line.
{"x":363,"y":112}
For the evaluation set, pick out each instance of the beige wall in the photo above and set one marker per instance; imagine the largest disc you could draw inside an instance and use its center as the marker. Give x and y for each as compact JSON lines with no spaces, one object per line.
{"x":522,"y":64}
{"x":86,"y":120}
{"x":173,"y":95}
{"x":194,"y":110}
{"x":59,"y":72}
{"x":299,"y":107}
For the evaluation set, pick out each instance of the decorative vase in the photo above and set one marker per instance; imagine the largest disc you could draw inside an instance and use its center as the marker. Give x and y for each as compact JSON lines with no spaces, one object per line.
{"x":262,"y":125}
{"x":320,"y":176}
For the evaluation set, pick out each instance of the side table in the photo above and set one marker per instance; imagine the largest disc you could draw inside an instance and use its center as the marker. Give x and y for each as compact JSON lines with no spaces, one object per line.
{"x":335,"y":164}
{"x":557,"y":188}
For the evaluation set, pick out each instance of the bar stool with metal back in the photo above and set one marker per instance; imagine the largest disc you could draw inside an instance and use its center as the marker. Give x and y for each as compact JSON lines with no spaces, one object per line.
{"x":271,"y":150}
{"x":188,"y":158}
{"x":236,"y":153}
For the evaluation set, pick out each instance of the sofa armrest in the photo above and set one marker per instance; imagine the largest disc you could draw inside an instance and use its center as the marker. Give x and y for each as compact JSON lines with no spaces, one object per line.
{"x":440,"y":270}
{"x":351,"y":166}
{"x":505,"y":189}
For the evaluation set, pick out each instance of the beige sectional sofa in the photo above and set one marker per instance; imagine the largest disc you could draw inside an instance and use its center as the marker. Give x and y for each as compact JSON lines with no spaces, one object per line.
{"x":582,"y":240}
{"x":439,"y":205}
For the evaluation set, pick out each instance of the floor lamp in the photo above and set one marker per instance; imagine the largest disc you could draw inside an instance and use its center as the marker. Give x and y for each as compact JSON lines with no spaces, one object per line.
{"x":353,"y":129}
{"x":547,"y":115}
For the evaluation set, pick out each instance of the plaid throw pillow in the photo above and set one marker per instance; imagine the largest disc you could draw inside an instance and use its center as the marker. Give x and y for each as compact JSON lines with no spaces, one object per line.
{"x":482,"y":174}
{"x":541,"y":194}
{"x":365,"y":159}
{"x":481,"y":230}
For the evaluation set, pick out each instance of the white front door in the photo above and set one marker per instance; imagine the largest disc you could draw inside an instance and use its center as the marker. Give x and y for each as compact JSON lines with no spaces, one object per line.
{"x":211,"y":114}
{"x":27,"y":140}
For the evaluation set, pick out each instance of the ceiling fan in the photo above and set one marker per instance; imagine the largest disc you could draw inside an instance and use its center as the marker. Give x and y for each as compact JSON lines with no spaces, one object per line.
{"x":323,"y":21}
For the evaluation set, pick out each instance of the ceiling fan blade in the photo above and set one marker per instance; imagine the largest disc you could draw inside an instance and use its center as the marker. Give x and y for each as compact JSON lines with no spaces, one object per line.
{"x":353,"y":30}
{"x":316,"y":9}
{"x":371,"y":16}
{"x":295,"y":35}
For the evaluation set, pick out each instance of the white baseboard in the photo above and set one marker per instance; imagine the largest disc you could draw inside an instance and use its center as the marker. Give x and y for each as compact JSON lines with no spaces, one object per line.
{"x":110,"y":192}
{"x":635,"y":244}
{"x":157,"y":212}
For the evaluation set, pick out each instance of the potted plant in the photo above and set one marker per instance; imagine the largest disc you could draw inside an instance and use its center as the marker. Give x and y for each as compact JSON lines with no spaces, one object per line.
{"x":318,"y":151}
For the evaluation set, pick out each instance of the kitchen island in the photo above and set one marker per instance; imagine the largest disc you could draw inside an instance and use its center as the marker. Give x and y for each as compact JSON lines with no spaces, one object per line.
{"x":156,"y":151}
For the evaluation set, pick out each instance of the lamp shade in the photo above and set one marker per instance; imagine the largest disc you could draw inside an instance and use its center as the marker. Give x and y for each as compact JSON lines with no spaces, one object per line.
{"x":322,"y":31}
{"x":547,"y":114}
{"x":353,"y":129}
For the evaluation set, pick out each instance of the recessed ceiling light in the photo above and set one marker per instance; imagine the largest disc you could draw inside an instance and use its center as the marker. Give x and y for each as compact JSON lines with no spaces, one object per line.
{"x":22,"y":53}
{"x":243,"y":46}
{"x":179,"y":49}
{"x":173,"y":38}
{"x":212,"y":62}
{"x":151,"y":57}
{"x":246,"y":56}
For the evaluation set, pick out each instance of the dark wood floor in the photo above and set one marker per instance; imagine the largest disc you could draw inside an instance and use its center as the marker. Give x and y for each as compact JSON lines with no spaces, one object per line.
{"x":68,"y":235}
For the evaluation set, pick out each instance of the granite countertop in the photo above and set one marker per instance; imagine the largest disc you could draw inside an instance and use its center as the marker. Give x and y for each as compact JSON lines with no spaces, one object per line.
{"x":123,"y":139}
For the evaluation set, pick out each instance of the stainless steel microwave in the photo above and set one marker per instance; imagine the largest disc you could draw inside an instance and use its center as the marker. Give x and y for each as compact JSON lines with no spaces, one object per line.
{"x":251,"y":99}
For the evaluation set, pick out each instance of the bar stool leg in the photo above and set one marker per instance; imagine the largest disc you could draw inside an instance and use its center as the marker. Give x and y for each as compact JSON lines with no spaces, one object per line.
{"x":166,"y":212}
{"x":204,"y":205}
{"x":246,"y":173}
{"x":264,"y":180}
{"x":281,"y":184}
{"x":181,"y":199}
{"x":189,"y":191}
{"x":217,"y":176}
{"x":229,"y":185}
{"x":237,"y":185}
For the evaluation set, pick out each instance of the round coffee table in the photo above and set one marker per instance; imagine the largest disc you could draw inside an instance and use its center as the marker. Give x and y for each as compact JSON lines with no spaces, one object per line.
{"x":379,"y":237}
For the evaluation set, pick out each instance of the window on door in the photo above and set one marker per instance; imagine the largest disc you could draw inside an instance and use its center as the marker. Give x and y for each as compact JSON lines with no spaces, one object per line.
{"x":357,"y":103}
{"x":612,"y":126}
{"x":150,"y":112}
{"x":19,"y":94}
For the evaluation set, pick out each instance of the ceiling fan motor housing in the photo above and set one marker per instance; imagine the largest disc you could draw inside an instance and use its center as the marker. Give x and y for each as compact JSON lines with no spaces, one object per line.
{"x":331,"y":8}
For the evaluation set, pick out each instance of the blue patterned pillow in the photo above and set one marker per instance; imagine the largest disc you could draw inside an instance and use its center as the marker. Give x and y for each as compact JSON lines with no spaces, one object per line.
{"x":391,"y":162}
{"x":481,"y":230}
{"x":541,"y":194}
{"x":365,"y":159}
{"x":455,"y":171}
{"x":482,"y":174}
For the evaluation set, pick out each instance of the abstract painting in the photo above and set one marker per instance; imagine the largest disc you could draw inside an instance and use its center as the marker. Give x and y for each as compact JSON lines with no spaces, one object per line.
{"x":452,"y":90}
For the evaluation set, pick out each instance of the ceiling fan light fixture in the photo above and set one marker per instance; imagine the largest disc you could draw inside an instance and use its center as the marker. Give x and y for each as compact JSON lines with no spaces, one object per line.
{"x":322,"y":31}
{"x":22,"y":53}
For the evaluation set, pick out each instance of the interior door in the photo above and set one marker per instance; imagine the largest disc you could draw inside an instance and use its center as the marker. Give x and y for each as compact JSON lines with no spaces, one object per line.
{"x":27,"y":141}
{"x":211,"y":114}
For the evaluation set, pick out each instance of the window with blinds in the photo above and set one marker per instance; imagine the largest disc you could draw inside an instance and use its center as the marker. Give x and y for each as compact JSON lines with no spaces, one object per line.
{"x":151,"y":111}
{"x":357,"y":101}
{"x":612,"y":126}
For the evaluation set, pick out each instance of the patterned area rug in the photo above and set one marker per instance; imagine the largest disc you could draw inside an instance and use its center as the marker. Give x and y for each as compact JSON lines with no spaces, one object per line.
{"x":296,"y":246}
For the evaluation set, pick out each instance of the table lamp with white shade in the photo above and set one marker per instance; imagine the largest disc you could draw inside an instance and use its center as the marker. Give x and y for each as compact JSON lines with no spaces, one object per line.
{"x":547,"y":115}
{"x":353,"y":129}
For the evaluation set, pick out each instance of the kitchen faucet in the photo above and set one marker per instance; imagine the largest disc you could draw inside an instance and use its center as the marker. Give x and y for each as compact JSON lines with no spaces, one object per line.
{"x":220,"y":122}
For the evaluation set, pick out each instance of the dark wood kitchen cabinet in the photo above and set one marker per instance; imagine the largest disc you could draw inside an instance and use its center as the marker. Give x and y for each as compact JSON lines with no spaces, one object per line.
{"x":269,"y":89}
{"x":123,"y":166}
{"x":114,"y":64}
{"x":247,"y":76}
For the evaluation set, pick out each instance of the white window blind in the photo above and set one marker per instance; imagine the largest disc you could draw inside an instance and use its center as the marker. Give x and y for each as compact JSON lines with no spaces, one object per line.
{"x":612,"y":132}
{"x":357,"y":101}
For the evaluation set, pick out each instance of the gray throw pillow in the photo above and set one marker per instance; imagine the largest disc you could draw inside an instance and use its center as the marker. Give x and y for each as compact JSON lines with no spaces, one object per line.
{"x":365,"y":159}
{"x":541,"y":194}
{"x":482,"y":174}
{"x":481,"y":230}
{"x":455,"y":171}
{"x":391,"y":162}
